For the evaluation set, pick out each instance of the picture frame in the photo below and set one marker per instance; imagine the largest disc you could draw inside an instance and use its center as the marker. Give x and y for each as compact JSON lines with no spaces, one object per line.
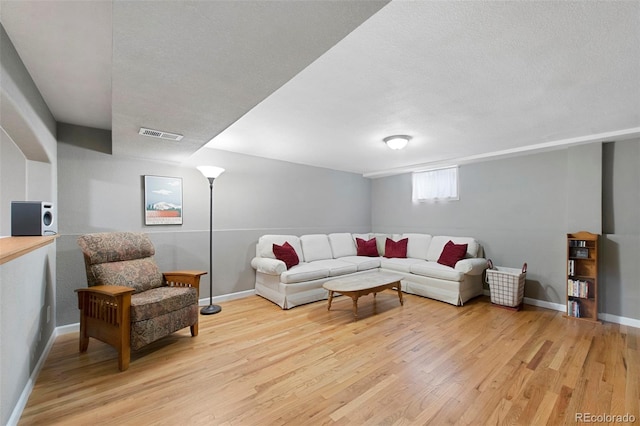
{"x":162,"y":200}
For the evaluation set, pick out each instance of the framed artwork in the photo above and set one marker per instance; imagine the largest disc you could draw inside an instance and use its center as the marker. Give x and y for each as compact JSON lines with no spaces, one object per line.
{"x":162,"y":200}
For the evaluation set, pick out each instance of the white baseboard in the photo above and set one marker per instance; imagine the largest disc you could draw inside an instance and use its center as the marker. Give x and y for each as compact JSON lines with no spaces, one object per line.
{"x":69,"y":328}
{"x":619,"y":320}
{"x":544,"y":304}
{"x":632,"y":322}
{"x":227,"y":297}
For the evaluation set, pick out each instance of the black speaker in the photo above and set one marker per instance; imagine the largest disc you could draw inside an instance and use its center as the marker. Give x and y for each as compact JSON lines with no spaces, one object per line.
{"x":32,"y":218}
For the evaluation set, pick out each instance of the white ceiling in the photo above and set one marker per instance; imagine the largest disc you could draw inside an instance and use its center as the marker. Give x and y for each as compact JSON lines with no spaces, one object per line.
{"x":321,"y":83}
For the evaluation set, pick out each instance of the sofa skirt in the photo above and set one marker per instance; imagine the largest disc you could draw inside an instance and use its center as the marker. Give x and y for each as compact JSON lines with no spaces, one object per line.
{"x":453,"y":292}
{"x":288,"y":296}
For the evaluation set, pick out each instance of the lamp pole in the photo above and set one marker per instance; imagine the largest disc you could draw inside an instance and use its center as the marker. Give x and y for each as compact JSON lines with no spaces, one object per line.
{"x":211,"y":173}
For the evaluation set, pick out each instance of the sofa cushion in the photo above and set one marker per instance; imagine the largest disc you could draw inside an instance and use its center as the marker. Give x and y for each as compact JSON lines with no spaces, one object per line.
{"x":452,"y":253}
{"x":438,"y":242}
{"x":396,"y":249}
{"x":418,"y":245}
{"x":138,"y":274}
{"x":287,"y":254}
{"x":304,"y":272}
{"x":401,"y":265}
{"x":361,"y":236}
{"x":342,"y":245}
{"x":381,"y":241}
{"x":266,"y":242}
{"x":162,"y":300}
{"x":367,"y":248}
{"x":336,"y":266}
{"x":436,"y":270}
{"x":316,"y":247}
{"x":363,"y":263}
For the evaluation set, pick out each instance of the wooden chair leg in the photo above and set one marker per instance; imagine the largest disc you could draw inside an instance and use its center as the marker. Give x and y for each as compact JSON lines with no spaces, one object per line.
{"x":124,"y":356}
{"x":194,"y":329}
{"x":124,"y":329}
{"x":84,"y":338}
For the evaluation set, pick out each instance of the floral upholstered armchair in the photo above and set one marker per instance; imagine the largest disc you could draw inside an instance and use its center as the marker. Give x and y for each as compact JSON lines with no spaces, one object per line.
{"x":129,"y":303}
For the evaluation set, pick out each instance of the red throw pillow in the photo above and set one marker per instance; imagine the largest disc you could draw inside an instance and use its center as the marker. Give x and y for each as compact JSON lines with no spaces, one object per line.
{"x":451,"y":253}
{"x":396,"y":248}
{"x":287,"y":254}
{"x":367,"y":248}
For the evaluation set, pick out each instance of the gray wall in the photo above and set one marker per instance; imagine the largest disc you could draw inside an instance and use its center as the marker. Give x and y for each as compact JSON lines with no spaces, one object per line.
{"x":255,"y":196}
{"x":27,"y":172}
{"x":620,"y":270}
{"x":515,"y":207}
{"x":521,"y":208}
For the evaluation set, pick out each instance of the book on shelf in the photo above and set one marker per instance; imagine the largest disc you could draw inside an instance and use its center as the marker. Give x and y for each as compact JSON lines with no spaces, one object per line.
{"x":577,"y":243}
{"x":578,"y":288}
{"x":573,"y":308}
{"x":571,"y":267}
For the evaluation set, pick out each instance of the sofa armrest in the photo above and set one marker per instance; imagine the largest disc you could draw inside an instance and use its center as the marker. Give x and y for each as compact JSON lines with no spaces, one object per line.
{"x":269,"y":266}
{"x":472,"y":266}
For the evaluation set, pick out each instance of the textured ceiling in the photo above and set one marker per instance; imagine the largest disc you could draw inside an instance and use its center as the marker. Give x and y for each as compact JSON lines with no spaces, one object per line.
{"x":187,"y":67}
{"x":194,"y":68}
{"x":464,"y":79}
{"x":321,"y":83}
{"x":66,"y":47}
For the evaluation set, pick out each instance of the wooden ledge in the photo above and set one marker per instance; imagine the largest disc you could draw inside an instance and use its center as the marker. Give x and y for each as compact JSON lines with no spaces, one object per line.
{"x":14,"y":247}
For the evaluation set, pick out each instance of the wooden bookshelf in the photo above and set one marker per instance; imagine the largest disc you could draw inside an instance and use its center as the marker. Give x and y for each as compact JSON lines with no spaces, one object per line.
{"x":582,"y":276}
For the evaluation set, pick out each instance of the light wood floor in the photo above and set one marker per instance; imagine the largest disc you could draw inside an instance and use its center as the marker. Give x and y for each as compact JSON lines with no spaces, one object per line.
{"x":424,"y":362}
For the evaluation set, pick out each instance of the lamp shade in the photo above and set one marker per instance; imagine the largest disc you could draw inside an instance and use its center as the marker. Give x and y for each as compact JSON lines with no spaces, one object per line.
{"x":397,"y":141}
{"x":210,"y":171}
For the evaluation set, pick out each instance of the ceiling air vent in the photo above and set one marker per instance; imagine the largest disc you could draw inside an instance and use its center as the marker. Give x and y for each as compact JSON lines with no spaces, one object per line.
{"x":159,"y":134}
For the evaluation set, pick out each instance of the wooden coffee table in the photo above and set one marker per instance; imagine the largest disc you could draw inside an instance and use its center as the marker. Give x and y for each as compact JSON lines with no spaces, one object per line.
{"x":360,"y":285}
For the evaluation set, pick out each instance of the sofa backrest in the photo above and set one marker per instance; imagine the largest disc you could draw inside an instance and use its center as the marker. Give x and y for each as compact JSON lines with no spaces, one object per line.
{"x":321,"y":246}
{"x":365,"y":237}
{"x":381,"y":241}
{"x":342,"y":245}
{"x":418,"y":245}
{"x":264,"y":248}
{"x":438,"y":242}
{"x":316,"y":247}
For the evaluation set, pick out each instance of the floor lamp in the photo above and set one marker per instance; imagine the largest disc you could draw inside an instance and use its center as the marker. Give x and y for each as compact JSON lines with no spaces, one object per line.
{"x":211,"y":173}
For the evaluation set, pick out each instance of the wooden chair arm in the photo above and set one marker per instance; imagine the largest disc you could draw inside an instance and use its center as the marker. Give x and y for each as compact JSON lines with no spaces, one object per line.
{"x":107,"y":290}
{"x":115,"y":294}
{"x":187,"y":278}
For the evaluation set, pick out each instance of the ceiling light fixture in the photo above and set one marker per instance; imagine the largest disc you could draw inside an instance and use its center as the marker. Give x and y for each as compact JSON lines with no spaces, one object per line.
{"x":397,"y":141}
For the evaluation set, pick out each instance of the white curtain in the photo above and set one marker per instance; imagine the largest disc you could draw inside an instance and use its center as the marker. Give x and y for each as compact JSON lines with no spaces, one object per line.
{"x":432,"y":185}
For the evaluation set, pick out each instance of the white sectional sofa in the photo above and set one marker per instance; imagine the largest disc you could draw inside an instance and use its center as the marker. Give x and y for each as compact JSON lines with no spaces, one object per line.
{"x":324,"y":257}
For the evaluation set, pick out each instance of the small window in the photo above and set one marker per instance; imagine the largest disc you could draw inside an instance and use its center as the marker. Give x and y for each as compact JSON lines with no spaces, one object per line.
{"x":436,"y":185}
